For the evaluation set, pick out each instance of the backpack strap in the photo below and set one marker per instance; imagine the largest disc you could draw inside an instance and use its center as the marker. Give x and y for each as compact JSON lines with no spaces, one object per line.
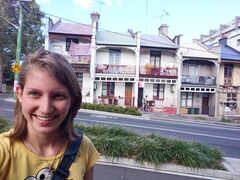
{"x":62,"y":170}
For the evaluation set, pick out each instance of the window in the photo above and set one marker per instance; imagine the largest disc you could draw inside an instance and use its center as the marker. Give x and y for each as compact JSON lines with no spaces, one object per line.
{"x":158,"y":91}
{"x":238,"y":42}
{"x":80,"y":78}
{"x":68,"y":42}
{"x":231,"y":100}
{"x":155,"y":59}
{"x":108,"y":88}
{"x":228,"y":68}
{"x":57,"y":48}
{"x":114,"y":56}
{"x":186,"y":99}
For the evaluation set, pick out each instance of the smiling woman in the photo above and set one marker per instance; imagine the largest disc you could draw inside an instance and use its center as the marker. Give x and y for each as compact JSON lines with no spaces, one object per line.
{"x":48,"y":99}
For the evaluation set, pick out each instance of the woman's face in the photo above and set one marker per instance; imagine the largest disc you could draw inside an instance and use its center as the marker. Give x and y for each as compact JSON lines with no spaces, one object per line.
{"x":45,"y":102}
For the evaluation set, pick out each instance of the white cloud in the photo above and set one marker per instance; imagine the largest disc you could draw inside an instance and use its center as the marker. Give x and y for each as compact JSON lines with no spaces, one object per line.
{"x":42,"y":1}
{"x":84,"y":3}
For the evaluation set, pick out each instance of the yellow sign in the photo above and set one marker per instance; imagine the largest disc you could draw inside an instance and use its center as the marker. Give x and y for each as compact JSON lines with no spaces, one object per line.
{"x":15,"y":68}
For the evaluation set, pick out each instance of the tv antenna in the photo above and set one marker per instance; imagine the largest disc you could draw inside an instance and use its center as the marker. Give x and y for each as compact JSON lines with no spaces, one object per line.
{"x":164,"y":16}
{"x":100,"y":5}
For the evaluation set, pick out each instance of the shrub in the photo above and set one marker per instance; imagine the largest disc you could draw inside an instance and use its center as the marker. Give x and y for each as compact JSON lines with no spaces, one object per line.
{"x":111,"y":108}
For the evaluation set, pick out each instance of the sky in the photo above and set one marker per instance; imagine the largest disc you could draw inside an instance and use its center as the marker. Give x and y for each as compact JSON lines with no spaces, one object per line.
{"x":191,"y":18}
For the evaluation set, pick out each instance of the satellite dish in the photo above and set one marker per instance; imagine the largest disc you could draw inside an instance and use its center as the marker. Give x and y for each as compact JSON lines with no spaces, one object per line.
{"x":131,"y":33}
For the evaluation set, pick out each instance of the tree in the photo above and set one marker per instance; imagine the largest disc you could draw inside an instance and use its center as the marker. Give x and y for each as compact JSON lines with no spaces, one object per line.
{"x":32,"y":37}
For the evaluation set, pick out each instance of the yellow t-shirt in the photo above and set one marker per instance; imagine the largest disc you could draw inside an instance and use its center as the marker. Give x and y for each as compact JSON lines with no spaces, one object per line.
{"x":17,"y":162}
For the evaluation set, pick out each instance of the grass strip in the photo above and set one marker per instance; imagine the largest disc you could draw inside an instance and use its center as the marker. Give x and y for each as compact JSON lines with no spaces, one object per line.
{"x":117,"y":142}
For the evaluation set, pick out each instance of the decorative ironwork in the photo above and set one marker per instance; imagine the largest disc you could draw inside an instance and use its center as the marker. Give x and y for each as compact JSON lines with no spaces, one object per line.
{"x":78,"y":59}
{"x":115,"y":69}
{"x":162,"y":72}
{"x":200,"y":80}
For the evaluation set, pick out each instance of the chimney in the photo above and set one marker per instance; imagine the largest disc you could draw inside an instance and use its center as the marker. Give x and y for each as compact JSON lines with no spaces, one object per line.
{"x":221,"y":28}
{"x":163,"y":29}
{"x":177,"y":39}
{"x":95,"y":18}
{"x":237,"y":19}
{"x":223,"y":41}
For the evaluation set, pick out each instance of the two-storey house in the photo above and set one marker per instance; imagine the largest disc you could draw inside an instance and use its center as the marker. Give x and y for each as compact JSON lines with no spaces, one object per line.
{"x":158,"y":72}
{"x":72,"y":40}
{"x":198,"y":67}
{"x":228,"y":80}
{"x":115,"y":68}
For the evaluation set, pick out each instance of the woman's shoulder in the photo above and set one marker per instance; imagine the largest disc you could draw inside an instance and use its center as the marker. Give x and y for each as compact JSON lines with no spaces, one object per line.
{"x":5,"y":139}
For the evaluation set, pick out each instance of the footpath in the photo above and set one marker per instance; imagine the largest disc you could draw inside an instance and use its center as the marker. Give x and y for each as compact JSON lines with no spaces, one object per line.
{"x":231,"y":164}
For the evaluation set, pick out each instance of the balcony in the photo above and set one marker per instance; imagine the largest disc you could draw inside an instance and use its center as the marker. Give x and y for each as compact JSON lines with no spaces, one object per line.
{"x":162,"y":72}
{"x":116,"y":69}
{"x":199,"y":80}
{"x":78,"y":59}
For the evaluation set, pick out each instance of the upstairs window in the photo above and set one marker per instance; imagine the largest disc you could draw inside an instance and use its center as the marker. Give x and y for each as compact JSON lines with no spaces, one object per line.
{"x":68,"y":42}
{"x":155,"y":59}
{"x":238,"y":42}
{"x":114,"y":56}
{"x":228,"y":69}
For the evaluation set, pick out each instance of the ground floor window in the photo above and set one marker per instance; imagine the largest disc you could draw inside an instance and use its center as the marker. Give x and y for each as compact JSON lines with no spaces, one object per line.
{"x":158,"y":91}
{"x":231,"y":100}
{"x":80,"y":78}
{"x":186,"y":99}
{"x":108,"y":88}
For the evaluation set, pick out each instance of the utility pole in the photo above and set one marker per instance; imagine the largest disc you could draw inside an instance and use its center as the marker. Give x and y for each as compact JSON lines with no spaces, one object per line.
{"x":16,"y":66}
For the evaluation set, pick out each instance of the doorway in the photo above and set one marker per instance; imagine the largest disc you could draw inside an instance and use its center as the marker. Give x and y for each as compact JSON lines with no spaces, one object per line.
{"x":205,"y":104}
{"x":128,"y":94}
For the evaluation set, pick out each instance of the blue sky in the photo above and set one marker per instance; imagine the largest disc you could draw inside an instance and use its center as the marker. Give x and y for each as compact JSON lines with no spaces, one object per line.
{"x":188,"y":17}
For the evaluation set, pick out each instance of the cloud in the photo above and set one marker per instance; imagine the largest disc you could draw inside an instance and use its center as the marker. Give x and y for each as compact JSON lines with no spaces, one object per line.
{"x":84,"y":3}
{"x":42,"y":1}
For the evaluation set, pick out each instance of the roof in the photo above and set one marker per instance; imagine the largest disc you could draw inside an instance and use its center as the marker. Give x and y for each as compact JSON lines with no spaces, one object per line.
{"x":196,"y":50}
{"x":157,"y":41}
{"x":71,"y":28}
{"x":114,"y":38}
{"x":228,"y":53}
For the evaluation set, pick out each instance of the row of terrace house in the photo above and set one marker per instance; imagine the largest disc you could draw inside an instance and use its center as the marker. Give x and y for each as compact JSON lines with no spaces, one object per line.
{"x":117,"y":68}
{"x":123,"y":68}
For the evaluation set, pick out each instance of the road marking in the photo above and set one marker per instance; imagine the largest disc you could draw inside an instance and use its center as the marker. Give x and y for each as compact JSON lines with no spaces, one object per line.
{"x":103,"y":116}
{"x":159,"y":129}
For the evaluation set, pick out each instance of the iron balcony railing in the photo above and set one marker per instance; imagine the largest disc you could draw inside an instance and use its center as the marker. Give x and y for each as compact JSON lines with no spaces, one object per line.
{"x":199,"y":80}
{"x":161,"y":72}
{"x":115,"y":69}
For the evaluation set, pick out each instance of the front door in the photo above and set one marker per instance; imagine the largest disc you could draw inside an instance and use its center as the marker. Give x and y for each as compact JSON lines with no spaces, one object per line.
{"x":128,"y":94}
{"x":140,"y":97}
{"x":205,"y":104}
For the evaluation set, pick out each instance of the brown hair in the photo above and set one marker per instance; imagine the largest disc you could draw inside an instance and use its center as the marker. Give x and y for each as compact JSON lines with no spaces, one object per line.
{"x":58,"y":66}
